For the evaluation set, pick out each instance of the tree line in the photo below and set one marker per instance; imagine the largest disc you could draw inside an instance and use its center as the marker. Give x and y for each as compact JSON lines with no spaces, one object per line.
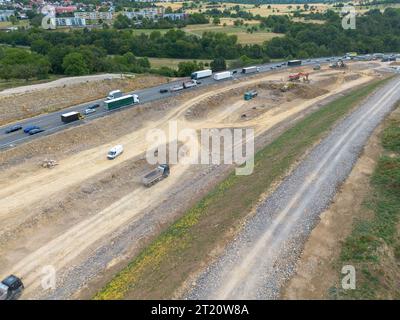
{"x":109,"y":50}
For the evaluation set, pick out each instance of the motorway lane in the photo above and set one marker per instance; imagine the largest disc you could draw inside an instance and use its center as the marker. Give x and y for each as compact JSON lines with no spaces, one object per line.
{"x":51,"y":122}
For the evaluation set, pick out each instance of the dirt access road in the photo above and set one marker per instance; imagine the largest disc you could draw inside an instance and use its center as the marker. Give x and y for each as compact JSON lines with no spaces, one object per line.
{"x":263,"y":256}
{"x":32,"y":238}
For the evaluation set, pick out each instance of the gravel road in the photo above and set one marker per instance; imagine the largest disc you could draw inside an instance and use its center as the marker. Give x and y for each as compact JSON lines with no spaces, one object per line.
{"x":263,"y":256}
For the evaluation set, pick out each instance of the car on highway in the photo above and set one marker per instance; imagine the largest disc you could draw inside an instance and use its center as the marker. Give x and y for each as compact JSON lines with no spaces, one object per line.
{"x":29,"y":128}
{"x":89,"y":111}
{"x":163,"y":90}
{"x":13,"y":128}
{"x":35,"y":131}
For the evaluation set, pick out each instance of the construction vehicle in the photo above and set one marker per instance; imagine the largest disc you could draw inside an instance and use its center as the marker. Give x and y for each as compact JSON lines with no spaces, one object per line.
{"x":71,"y":116}
{"x":250,"y":95}
{"x":11,"y":288}
{"x":298,"y":76}
{"x":338,"y":65}
{"x":159,"y":173}
{"x":121,"y":102}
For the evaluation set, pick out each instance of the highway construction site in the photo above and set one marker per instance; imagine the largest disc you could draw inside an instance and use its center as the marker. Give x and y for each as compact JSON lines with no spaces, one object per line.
{"x":87,"y":216}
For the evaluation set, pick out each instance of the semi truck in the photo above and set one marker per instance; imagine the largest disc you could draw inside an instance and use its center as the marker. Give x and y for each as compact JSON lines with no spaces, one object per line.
{"x":294,"y":63}
{"x":159,"y":173}
{"x":250,"y":69}
{"x":189,"y":84}
{"x":201,"y":74}
{"x":121,"y":102}
{"x":222,"y":75}
{"x":71,"y":116}
{"x":114,"y":94}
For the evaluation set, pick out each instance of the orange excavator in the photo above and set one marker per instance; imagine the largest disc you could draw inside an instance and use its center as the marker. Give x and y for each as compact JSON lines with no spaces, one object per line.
{"x":297,"y":76}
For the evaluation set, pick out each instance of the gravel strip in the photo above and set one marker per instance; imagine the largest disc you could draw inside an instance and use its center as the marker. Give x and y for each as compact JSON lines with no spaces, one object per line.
{"x":263,"y":256}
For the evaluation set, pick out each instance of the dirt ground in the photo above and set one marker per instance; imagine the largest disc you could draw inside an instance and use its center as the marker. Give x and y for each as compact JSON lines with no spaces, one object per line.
{"x":21,"y":104}
{"x":71,"y":209}
{"x":316,"y":269}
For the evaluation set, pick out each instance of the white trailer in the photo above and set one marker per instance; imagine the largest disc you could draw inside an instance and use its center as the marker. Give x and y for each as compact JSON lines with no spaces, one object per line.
{"x":114,"y":94}
{"x":201,"y":74}
{"x":222,"y":75}
{"x":250,"y":69}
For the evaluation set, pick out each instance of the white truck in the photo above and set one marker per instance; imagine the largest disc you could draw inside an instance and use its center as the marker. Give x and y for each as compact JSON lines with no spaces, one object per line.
{"x":201,"y":74}
{"x":114,"y":94}
{"x":189,"y":84}
{"x":222,"y":75}
{"x":251,"y":69}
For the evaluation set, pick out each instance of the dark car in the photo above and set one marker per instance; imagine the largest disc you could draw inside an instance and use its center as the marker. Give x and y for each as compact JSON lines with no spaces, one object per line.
{"x":29,"y":128}
{"x":13,"y":129}
{"x":35,"y":131}
{"x":95,"y":106}
{"x":234,"y":71}
{"x":163,"y":90}
{"x":11,"y":288}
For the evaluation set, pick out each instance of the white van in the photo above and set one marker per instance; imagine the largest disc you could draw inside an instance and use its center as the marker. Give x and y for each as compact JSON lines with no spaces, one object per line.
{"x":115,"y":152}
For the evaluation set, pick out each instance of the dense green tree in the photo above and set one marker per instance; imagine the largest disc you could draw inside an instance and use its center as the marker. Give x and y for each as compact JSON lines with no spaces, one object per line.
{"x":218,"y":64}
{"x":74,"y":64}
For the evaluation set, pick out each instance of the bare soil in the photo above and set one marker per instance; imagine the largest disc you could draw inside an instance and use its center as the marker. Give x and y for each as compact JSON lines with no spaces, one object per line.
{"x":71,"y":209}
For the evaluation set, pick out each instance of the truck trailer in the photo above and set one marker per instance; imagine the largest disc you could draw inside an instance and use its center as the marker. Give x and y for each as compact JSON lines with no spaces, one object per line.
{"x":189,"y":84}
{"x":250,"y":69}
{"x":201,"y":74}
{"x":294,"y":63}
{"x":71,"y":116}
{"x":114,"y":94}
{"x":121,"y":102}
{"x":222,"y":75}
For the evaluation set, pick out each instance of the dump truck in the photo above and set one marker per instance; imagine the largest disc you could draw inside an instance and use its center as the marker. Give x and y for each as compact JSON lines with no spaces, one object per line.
{"x":251,"y":69}
{"x":121,"y":102}
{"x":337,"y":65}
{"x":11,"y":288}
{"x":189,"y":84}
{"x":71,"y":116}
{"x":222,"y":75}
{"x":294,"y":63}
{"x":250,"y":95}
{"x":159,"y":173}
{"x":201,"y":74}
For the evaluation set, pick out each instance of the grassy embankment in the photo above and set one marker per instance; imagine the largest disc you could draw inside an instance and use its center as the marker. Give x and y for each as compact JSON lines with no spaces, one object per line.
{"x":184,"y":246}
{"x":373,"y":247}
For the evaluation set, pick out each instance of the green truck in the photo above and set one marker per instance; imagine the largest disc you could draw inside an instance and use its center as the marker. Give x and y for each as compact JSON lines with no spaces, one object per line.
{"x":250,"y":95}
{"x":121,"y":102}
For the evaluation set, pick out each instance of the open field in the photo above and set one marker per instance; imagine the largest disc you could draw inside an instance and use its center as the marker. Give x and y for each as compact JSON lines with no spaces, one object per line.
{"x":88,"y":216}
{"x":244,"y":37}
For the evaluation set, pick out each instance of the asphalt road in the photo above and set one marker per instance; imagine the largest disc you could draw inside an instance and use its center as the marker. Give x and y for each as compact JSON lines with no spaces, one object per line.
{"x":263,"y":256}
{"x":51,"y":122}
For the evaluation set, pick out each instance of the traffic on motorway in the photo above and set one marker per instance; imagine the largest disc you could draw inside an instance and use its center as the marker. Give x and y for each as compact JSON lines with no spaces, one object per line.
{"x":56,"y":121}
